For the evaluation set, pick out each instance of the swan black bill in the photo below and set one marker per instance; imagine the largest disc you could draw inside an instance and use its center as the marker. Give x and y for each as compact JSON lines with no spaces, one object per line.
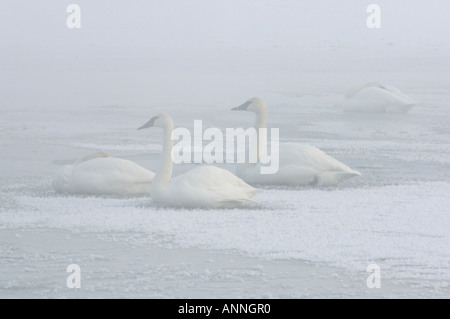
{"x":149,"y":123}
{"x":242,"y":107}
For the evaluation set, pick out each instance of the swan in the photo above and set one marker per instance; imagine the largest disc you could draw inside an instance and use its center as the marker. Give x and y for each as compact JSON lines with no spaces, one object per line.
{"x":201,"y":187}
{"x":100,"y":174}
{"x":299,"y":164}
{"x":377,"y":98}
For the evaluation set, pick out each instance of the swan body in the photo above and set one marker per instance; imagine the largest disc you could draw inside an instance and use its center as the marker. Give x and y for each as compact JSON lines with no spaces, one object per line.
{"x":100,"y":174}
{"x":205,"y":187}
{"x":201,"y":187}
{"x":299,"y":164}
{"x":377,"y":98}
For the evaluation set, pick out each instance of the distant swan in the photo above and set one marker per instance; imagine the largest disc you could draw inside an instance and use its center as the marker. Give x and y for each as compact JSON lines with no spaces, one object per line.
{"x":100,"y":174}
{"x":299,"y":164}
{"x":376,"y":97}
{"x":201,"y":187}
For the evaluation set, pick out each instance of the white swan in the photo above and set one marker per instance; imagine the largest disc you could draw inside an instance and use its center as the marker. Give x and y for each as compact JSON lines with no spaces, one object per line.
{"x":377,"y":98}
{"x":299,"y":164}
{"x":100,"y":174}
{"x":201,"y":187}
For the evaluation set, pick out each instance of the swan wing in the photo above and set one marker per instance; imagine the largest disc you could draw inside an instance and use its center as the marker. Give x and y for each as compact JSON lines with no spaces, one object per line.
{"x":95,"y":155}
{"x":300,"y":164}
{"x":105,"y":175}
{"x":308,"y":156}
{"x":399,"y":94}
{"x":378,"y":98}
{"x":210,"y":186}
{"x":314,"y":166}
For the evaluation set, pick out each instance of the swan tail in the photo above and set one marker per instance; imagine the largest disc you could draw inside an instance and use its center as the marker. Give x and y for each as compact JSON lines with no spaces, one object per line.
{"x":254,"y":192}
{"x":333,"y":178}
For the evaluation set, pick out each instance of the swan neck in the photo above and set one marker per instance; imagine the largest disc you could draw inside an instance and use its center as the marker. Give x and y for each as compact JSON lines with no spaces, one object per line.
{"x":164,"y":175}
{"x":261,"y":118}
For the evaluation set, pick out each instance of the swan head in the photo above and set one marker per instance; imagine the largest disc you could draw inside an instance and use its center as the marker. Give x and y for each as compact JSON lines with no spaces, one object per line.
{"x":161,"y":120}
{"x":255,"y":105}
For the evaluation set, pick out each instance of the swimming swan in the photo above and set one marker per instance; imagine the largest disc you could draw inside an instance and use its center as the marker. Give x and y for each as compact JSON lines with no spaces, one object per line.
{"x":201,"y":187}
{"x":100,"y":174}
{"x":299,"y":164}
{"x":376,"y":97}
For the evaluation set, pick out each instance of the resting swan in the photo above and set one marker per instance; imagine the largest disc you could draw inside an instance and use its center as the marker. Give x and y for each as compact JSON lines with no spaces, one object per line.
{"x":299,"y":164}
{"x":375,"y":97}
{"x":100,"y":174}
{"x":201,"y":187}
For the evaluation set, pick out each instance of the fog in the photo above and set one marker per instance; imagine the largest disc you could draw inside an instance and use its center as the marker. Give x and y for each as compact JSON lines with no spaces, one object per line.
{"x":154,"y":52}
{"x":66,"y":93}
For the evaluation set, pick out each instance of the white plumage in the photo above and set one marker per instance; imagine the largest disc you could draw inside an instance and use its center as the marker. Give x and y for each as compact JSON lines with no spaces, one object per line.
{"x":100,"y":174}
{"x":299,"y":164}
{"x":201,"y":187}
{"x":375,"y":97}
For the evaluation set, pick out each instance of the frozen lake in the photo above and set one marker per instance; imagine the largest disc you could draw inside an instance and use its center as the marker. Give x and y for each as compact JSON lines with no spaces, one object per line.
{"x":66,"y":93}
{"x":305,"y":242}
